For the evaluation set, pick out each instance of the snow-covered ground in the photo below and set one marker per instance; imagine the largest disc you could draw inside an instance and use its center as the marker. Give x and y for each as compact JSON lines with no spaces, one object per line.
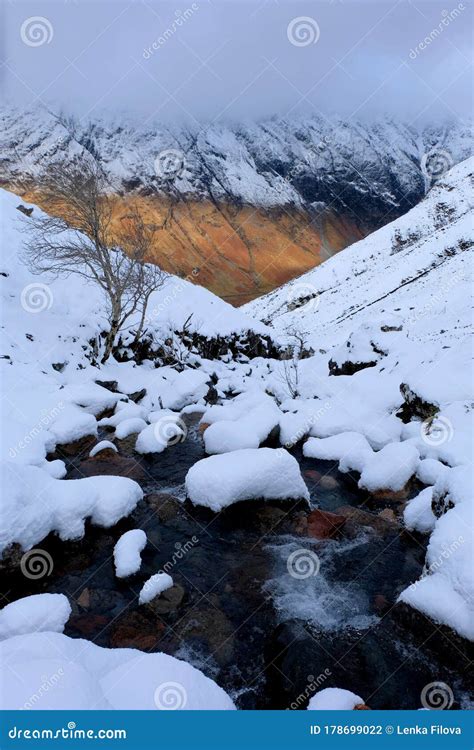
{"x":386,"y":392}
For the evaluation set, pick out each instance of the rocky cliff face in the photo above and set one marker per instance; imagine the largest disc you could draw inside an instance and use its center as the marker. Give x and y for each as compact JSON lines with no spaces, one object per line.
{"x":249,"y":205}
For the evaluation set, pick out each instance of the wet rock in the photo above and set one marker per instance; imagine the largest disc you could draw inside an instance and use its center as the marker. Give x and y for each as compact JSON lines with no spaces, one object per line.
{"x":137,"y":395}
{"x":135,"y":630}
{"x":203,"y":427}
{"x":212,"y":396}
{"x":87,"y":624}
{"x":321,"y":524}
{"x":392,"y":496}
{"x":84,"y":599}
{"x":414,"y":407}
{"x":166,"y":507}
{"x":389,"y":515}
{"x":348,"y":367}
{"x":11,"y":557}
{"x":381,"y":604}
{"x":113,"y":464}
{"x":328,"y":483}
{"x":77,"y":447}
{"x":269,"y":518}
{"x":210,"y":626}
{"x":362,"y":707}
{"x":312,"y":474}
{"x":109,"y":385}
{"x":356,"y":518}
{"x":168,"y":601}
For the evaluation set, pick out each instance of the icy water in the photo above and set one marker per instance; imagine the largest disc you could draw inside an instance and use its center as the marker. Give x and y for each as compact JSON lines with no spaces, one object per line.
{"x":236,"y":613}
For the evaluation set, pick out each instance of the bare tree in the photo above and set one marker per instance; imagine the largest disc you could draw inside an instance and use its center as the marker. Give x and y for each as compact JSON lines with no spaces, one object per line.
{"x":77,"y":237}
{"x":296,"y":351}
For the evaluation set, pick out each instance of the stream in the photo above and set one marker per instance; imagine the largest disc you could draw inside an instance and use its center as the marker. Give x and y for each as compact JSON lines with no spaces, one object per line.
{"x":270,"y":639}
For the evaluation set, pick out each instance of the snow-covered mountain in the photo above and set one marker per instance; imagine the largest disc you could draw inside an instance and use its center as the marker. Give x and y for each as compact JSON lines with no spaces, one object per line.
{"x":250,"y":205}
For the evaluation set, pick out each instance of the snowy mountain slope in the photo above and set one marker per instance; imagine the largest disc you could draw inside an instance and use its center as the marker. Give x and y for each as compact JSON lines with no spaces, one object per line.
{"x":370,"y":169}
{"x":416,"y":268}
{"x":246,"y":205}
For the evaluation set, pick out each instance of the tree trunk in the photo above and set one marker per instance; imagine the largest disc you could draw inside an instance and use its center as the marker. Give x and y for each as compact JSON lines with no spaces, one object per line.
{"x":110,"y":340}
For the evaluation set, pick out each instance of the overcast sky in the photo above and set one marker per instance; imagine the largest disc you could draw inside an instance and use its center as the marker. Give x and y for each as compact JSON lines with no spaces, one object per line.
{"x":222,"y":59}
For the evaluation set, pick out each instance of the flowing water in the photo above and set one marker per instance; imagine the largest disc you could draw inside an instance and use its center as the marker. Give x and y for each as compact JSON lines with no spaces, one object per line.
{"x":236,"y":611}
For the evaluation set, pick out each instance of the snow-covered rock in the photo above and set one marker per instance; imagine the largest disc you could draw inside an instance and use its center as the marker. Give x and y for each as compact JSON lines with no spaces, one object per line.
{"x":127,"y":552}
{"x":219,"y":481}
{"x":334,"y":699}
{"x":418,"y":515}
{"x":155,"y":586}
{"x":249,"y":430}
{"x":129,"y":427}
{"x":102,"y":446}
{"x":186,"y":388}
{"x":83,"y":676}
{"x":35,"y":614}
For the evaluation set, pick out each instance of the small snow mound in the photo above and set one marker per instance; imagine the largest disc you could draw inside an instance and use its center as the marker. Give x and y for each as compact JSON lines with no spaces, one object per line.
{"x":334,"y":699}
{"x":127,"y":553}
{"x":219,"y":481}
{"x":390,"y":468}
{"x":154,"y":587}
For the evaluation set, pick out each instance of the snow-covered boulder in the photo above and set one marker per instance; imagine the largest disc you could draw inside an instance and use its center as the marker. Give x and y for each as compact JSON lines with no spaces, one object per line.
{"x":83,"y":676}
{"x":186,"y":388}
{"x":127,"y":552}
{"x":155,"y":586}
{"x":418,"y":515}
{"x":157,"y":436}
{"x":219,"y":481}
{"x":131,"y":426}
{"x":34,"y":614}
{"x":103,"y":445}
{"x":390,"y":468}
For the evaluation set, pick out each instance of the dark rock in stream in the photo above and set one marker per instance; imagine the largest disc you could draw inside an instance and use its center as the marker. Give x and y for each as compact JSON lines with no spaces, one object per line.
{"x":112,"y":464}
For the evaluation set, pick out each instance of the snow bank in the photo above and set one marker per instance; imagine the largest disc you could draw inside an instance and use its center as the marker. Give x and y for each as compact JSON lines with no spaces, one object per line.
{"x":219,"y":481}
{"x":127,"y":552}
{"x":334,"y":699}
{"x":83,"y":676}
{"x":154,"y":587}
{"x":34,"y":614}
{"x":39,"y":504}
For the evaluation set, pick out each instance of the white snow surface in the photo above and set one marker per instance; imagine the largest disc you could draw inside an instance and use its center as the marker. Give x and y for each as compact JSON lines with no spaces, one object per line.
{"x":219,"y":481}
{"x":127,"y":552}
{"x":83,"y":676}
{"x":35,"y":614}
{"x":102,"y":446}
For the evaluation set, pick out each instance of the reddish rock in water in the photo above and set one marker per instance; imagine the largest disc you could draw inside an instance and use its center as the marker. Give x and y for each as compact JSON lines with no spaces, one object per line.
{"x":362,"y":707}
{"x":78,"y":447}
{"x":134,"y":630}
{"x":381,"y":604}
{"x":110,"y":464}
{"x":88,"y":624}
{"x":323,"y":525}
{"x":312,"y":474}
